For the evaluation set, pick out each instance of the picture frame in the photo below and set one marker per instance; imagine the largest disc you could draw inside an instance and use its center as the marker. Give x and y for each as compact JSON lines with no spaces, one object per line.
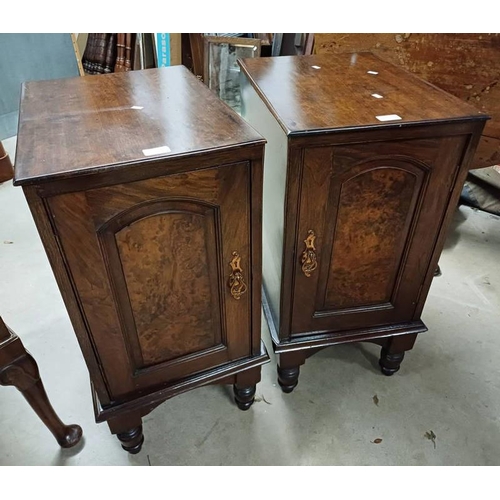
{"x":221,"y":70}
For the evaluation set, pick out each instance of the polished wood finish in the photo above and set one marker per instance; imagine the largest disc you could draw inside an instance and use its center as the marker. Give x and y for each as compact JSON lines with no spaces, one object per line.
{"x":305,"y":105}
{"x":79,"y":126}
{"x":365,"y":213}
{"x":466,"y":65}
{"x":157,"y":257}
{"x":19,"y":369}
{"x":360,"y":206}
{"x":245,"y":387}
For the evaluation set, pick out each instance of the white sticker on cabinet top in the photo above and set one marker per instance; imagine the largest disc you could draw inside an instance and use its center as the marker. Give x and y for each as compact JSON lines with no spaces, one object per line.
{"x":156,"y":151}
{"x":388,"y":118}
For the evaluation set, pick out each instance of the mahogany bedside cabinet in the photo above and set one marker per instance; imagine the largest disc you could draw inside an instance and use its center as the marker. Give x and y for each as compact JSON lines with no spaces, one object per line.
{"x":364,"y":167}
{"x":146,"y":190}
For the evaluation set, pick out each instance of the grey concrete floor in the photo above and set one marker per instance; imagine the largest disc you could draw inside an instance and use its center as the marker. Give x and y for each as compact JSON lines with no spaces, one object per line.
{"x":449,"y":384}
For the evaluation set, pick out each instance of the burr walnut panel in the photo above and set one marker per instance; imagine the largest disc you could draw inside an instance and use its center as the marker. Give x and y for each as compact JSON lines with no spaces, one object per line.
{"x":168,"y":261}
{"x":367,"y":205}
{"x":372,"y":225}
{"x":151,"y":221}
{"x":375,"y":161}
{"x":156,"y":249}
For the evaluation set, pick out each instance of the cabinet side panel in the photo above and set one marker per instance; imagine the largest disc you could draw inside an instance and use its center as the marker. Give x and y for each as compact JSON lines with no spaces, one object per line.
{"x":58,"y":265}
{"x":465,"y":164}
{"x":275,"y":166}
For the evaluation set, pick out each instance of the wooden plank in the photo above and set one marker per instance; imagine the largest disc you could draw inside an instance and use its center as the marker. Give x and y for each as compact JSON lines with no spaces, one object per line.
{"x":465,"y":65}
{"x":175,"y":49}
{"x":78,"y":55}
{"x":197,"y":48}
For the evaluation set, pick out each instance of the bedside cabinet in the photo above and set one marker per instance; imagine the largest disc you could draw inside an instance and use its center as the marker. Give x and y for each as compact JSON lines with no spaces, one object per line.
{"x":364,"y":168}
{"x":147,"y":193}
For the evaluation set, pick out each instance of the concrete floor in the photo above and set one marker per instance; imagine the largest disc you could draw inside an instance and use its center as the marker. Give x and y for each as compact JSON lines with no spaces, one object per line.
{"x":449,"y":384}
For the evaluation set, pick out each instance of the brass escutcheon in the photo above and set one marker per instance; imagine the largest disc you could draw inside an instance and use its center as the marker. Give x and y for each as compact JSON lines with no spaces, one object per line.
{"x":236,"y":283}
{"x":309,"y":262}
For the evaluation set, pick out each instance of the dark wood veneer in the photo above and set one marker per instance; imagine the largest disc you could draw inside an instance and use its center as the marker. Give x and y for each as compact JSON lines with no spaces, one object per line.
{"x":364,"y":204}
{"x":142,"y":246}
{"x":326,"y":93}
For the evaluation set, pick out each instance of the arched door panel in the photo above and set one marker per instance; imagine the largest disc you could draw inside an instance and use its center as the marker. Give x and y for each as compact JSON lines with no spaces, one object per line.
{"x":368,"y":218}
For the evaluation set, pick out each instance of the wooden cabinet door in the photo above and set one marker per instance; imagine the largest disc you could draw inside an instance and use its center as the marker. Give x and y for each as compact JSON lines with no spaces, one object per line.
{"x":150,"y":263}
{"x":369,"y":217}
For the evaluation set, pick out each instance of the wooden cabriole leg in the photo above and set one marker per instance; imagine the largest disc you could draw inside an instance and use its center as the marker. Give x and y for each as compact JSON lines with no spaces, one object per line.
{"x":289,"y":368}
{"x":6,"y":170}
{"x":393,"y":352}
{"x":245,"y":387}
{"x":19,"y":369}
{"x":128,"y":429}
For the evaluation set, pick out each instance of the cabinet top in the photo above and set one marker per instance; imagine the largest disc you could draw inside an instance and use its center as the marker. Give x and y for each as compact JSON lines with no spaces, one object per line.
{"x":323,"y":93}
{"x":77,"y":126}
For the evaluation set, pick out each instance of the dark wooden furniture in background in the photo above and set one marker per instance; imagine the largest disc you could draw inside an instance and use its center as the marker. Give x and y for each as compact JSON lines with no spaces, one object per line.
{"x":192,"y":53}
{"x":6,"y":170}
{"x":467,"y":65}
{"x":356,"y":200}
{"x":147,"y":193}
{"x":19,"y":369}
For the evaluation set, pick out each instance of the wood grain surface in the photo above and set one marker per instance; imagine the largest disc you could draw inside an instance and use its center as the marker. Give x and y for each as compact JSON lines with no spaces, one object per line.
{"x":137,"y":254}
{"x":85,"y":125}
{"x":373,"y":260}
{"x":141,"y":243}
{"x":165,"y":260}
{"x":377,"y":198}
{"x":330,"y":92}
{"x":466,"y":65}
{"x":374,"y":212}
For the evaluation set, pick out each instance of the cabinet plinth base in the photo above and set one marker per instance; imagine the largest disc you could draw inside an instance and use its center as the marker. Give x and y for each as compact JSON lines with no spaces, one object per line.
{"x":395,"y":340}
{"x":125,"y":419}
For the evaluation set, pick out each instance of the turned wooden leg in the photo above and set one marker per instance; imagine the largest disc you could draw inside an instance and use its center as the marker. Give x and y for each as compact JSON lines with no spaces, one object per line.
{"x":244,"y":396}
{"x":393,"y":353}
{"x":390,"y":362}
{"x":128,"y":429}
{"x":19,"y":369}
{"x":289,"y":368}
{"x":288,"y":378}
{"x":132,"y":440}
{"x":245,"y":387}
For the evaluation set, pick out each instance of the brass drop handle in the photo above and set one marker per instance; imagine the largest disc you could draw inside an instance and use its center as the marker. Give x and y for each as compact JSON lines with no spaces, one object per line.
{"x":309,"y":262}
{"x":236,"y":283}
